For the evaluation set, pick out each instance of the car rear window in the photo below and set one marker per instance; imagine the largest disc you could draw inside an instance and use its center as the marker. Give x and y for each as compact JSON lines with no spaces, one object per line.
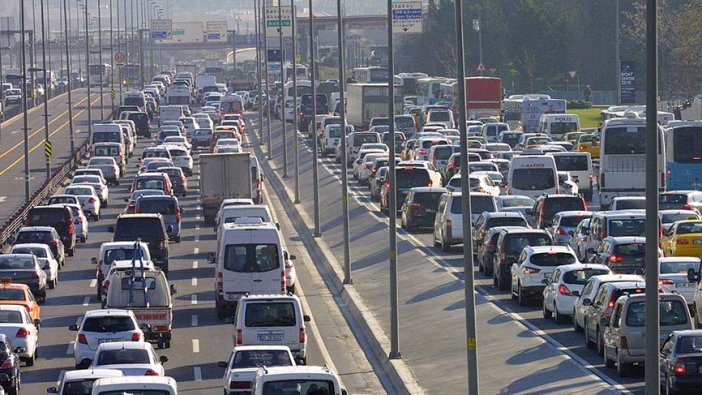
{"x":11,"y":294}
{"x":671,"y":312}
{"x":33,"y":236}
{"x":251,"y":258}
{"x":133,"y":228}
{"x":47,"y":216}
{"x":533,"y":179}
{"x":678,"y":267}
{"x":258,"y":358}
{"x":631,"y":249}
{"x":626,"y":227}
{"x":689,"y":227}
{"x":412,"y":177}
{"x":10,"y":317}
{"x":552,"y":259}
{"x":155,"y":154}
{"x":670,"y":218}
{"x":478,"y":204}
{"x":689,"y":344}
{"x":364,"y":138}
{"x":572,"y":221}
{"x":571,"y":162}
{"x":108,"y":324}
{"x":105,"y":151}
{"x":123,"y":356}
{"x":516,"y":243}
{"x":428,"y":199}
{"x":10,"y":263}
{"x":107,"y":137}
{"x":270,"y":314}
{"x":79,"y":387}
{"x":62,"y":199}
{"x":119,"y":254}
{"x":506,"y":221}
{"x":36,"y":251}
{"x":149,"y":183}
{"x":631,"y":204}
{"x":157,"y":206}
{"x":674,"y":198}
{"x":581,"y":276}
{"x":556,"y":205}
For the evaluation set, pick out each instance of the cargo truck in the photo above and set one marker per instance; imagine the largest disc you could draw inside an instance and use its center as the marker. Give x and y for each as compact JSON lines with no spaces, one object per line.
{"x":369,"y":100}
{"x":483,"y":97}
{"x":224,"y":176}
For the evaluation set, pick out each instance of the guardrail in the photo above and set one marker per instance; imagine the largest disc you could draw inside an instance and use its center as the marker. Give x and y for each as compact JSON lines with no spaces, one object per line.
{"x":16,"y":220}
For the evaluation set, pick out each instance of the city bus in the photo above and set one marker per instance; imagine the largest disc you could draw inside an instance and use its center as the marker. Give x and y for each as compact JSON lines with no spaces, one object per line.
{"x":302,"y":72}
{"x":523,"y":112}
{"x":683,"y":152}
{"x":429,"y":90}
{"x":623,"y":159}
{"x":100,"y":74}
{"x":408,"y":81}
{"x":364,"y":75}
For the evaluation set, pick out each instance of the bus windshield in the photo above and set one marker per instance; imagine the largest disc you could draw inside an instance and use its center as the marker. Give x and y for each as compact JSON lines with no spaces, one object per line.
{"x":625,"y":141}
{"x":687,"y":145}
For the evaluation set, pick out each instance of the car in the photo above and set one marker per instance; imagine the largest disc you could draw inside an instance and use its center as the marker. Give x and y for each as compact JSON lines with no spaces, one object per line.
{"x":684,"y":238}
{"x":177,"y":178}
{"x":578,"y":241}
{"x":80,"y":221}
{"x":181,"y":158}
{"x":490,"y":219}
{"x":365,"y":167}
{"x":11,"y":365}
{"x":43,"y":235}
{"x":245,"y":361}
{"x":155,"y":152}
{"x":508,"y":249}
{"x":121,"y":266}
{"x":80,"y":381}
{"x":376,"y":181}
{"x":481,"y":183}
{"x":621,"y":203}
{"x":564,"y":224}
{"x":178,"y":141}
{"x":681,"y":200}
{"x":132,"y":358}
{"x":24,"y":269}
{"x":420,"y":206}
{"x":95,"y":182}
{"x":58,"y":217}
{"x":535,"y":264}
{"x":624,"y":341}
{"x":407,"y":175}
{"x":448,"y":225}
{"x":563,"y":287}
{"x":668,"y":217}
{"x":150,"y":229}
{"x":103,"y":326}
{"x":110,"y":169}
{"x":116,"y":251}
{"x":45,"y":257}
{"x":131,"y":201}
{"x":622,"y":254}
{"x":590,"y":289}
{"x":17,"y":325}
{"x":136,"y":385}
{"x":679,"y":351}
{"x":20,"y":294}
{"x":589,"y":143}
{"x":153,"y":165}
{"x":155,"y":180}
{"x":674,"y":275}
{"x":201,"y":138}
{"x":546,"y":206}
{"x":168,"y":207}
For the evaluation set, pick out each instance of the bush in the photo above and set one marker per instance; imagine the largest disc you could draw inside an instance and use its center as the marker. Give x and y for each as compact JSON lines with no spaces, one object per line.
{"x":577,"y":104}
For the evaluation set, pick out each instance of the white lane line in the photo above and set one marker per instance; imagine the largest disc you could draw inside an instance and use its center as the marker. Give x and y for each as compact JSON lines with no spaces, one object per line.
{"x":197,"y":217}
{"x":3,"y":198}
{"x":195,"y":264}
{"x":197,"y":373}
{"x":69,"y":349}
{"x":196,"y":346}
{"x":86,"y":301}
{"x":197,"y":238}
{"x":93,"y":283}
{"x":196,"y":250}
{"x":193,"y":320}
{"x":197,"y":228}
{"x":193,"y":282}
{"x":193,"y":299}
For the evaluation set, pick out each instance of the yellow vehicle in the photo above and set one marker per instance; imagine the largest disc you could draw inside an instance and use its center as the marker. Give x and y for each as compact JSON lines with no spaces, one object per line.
{"x":589,"y":143}
{"x":19,"y":294}
{"x":683,"y":239}
{"x":572,"y":137}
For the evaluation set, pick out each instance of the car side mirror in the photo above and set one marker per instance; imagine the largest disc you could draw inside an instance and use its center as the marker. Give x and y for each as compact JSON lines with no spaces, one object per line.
{"x":575,"y":293}
{"x":545,"y":281}
{"x":52,"y":390}
{"x":111,"y":229}
{"x":173,"y":289}
{"x":163,"y":359}
{"x":126,"y":200}
{"x":529,"y":211}
{"x":73,"y":328}
{"x":344,"y":392}
{"x":587,"y":302}
{"x":571,"y":233}
{"x":692,"y":275}
{"x":93,"y":260}
{"x":222,"y":364}
{"x":211,"y":257}
{"x":306,"y":318}
{"x":277,"y":225}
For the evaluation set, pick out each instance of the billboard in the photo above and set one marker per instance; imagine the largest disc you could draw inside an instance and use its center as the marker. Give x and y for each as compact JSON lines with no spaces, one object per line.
{"x":161,"y":29}
{"x":627,"y":82}
{"x":216,"y":31}
{"x":186,"y":33}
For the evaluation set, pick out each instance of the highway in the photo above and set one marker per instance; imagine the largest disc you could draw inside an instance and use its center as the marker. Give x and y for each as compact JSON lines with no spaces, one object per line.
{"x":200,"y":340}
{"x":519,"y":351}
{"x":12,"y":153}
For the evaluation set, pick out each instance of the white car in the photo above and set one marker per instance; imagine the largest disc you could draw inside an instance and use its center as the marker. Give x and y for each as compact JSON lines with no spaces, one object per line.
{"x":120,"y":266}
{"x":568,"y":186}
{"x":358,"y":161}
{"x":535,"y":264}
{"x":589,"y":292}
{"x":203,"y":122}
{"x":95,"y":182}
{"x":109,"y":167}
{"x":189,"y":124}
{"x":244,"y":361}
{"x":100,"y":327}
{"x":181,"y":158}
{"x":672,"y":276}
{"x":563,"y":288}
{"x":71,"y":381}
{"x":131,"y":357}
{"x":45,"y":257}
{"x":479,"y":182}
{"x":17,"y":325}
{"x":366,"y":167}
{"x":178,"y":141}
{"x":88,"y":198}
{"x":80,"y":221}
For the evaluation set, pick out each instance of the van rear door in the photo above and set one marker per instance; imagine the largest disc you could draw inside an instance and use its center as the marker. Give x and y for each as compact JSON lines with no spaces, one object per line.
{"x":271,"y":322}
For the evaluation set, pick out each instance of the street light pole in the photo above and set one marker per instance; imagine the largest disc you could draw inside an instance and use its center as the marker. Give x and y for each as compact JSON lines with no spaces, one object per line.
{"x":283,"y":79}
{"x":344,"y":154}
{"x":315,"y":160}
{"x":69,"y":83}
{"x":46,"y":93}
{"x":119,"y":49}
{"x":268,"y":96}
{"x":293,"y":16}
{"x":469,"y":287}
{"x":102,"y":70}
{"x":48,"y":88}
{"x":112,"y":64}
{"x":259,"y":87}
{"x":25,"y":115}
{"x":87,"y":66}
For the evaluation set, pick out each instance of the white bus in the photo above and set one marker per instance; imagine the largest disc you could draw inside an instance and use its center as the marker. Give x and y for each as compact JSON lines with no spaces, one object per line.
{"x":364,"y":75}
{"x":302,"y":72}
{"x":429,"y":90}
{"x":522,"y":112}
{"x":100,"y":74}
{"x":623,"y":159}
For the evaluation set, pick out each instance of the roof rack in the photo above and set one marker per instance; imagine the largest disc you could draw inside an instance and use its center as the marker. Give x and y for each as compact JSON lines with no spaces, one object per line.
{"x":133,"y":279}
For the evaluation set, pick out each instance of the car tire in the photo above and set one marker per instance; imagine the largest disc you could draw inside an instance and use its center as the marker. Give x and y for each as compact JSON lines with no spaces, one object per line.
{"x":546,"y":312}
{"x":623,"y":368}
{"x":695,"y":317}
{"x":501,"y":282}
{"x":83,"y":239}
{"x":488,"y":270}
{"x":599,"y":343}
{"x":494,"y":278}
{"x":445,"y":246}
{"x":608,"y":362}
{"x":72,"y":251}
{"x":588,"y":343}
{"x":52,"y":284}
{"x":521,"y":297}
{"x":576,"y":327}
{"x":558,"y":317}
{"x":30,"y":361}
{"x":177,"y":239}
{"x":15,"y":388}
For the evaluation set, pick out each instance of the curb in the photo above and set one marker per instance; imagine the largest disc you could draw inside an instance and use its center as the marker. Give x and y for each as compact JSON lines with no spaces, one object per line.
{"x":396,"y":370}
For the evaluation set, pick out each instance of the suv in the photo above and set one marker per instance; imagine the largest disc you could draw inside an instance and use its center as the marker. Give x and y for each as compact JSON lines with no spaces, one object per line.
{"x":353,"y":144}
{"x":168,"y":207}
{"x":682,"y":200}
{"x":58,"y":217}
{"x":407,"y":177}
{"x":43,"y":235}
{"x":547,"y":205}
{"x":592,"y":286}
{"x":448,"y":226}
{"x":419,"y":209}
{"x":535,"y":264}
{"x":272,"y":319}
{"x":488,"y":220}
{"x":509,"y":247}
{"x":148,"y":228}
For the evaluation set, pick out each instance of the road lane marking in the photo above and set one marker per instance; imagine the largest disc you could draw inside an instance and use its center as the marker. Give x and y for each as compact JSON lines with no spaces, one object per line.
{"x":197,"y":228}
{"x":193,"y":282}
{"x":194,"y":320}
{"x":93,"y":283}
{"x":196,"y":346}
{"x":197,"y":372}
{"x":197,"y":217}
{"x":197,"y":238}
{"x":196,"y":250}
{"x":195,"y":264}
{"x":193,"y":299}
{"x":86,"y":301}
{"x":69,"y":349}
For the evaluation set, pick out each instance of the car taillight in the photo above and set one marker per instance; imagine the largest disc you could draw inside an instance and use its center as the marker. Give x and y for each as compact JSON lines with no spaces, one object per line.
{"x":623,"y":343}
{"x":106,"y":285}
{"x":665,"y":281}
{"x":80,"y":220}
{"x":53,"y":243}
{"x":283,"y":281}
{"x":22,"y":332}
{"x":71,"y":227}
{"x":91,"y":200}
{"x":530,"y":270}
{"x":584,"y":204}
{"x":7,"y":364}
{"x":421,"y":151}
{"x":220,"y":282}
{"x":414,"y":205}
{"x":177,"y":215}
{"x":82,"y":339}
{"x":679,"y":367}
{"x":239,"y":337}
{"x":302,"y":335}
{"x":615,"y":258}
{"x":602,"y":180}
{"x":560,"y":231}
{"x":151,"y":372}
{"x":478,"y":189}
{"x":686,"y":206}
{"x":682,"y":242}
{"x":387,"y":184}
{"x":29,"y":309}
{"x":563,"y":290}
{"x":136,"y":336}
{"x":430,"y":183}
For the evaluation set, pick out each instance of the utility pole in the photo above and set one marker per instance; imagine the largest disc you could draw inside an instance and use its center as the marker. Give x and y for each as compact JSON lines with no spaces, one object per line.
{"x":617,"y":59}
{"x":48,"y":88}
{"x":259,"y":86}
{"x":102,"y":69}
{"x":268,"y":96}
{"x":344,"y":154}
{"x":315,"y":160}
{"x":69,"y":83}
{"x":651,"y":364}
{"x":25,"y":115}
{"x":469,"y":286}
{"x":293,"y":16}
{"x":394,"y":308}
{"x":112,"y":65}
{"x":87,"y":66}
{"x":283,"y":80}
{"x":46,"y":93}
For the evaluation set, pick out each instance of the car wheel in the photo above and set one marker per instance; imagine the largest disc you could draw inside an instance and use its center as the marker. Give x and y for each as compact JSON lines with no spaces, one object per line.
{"x":609,"y":363}
{"x":494,"y":278}
{"x":488,"y":269}
{"x":588,"y":343}
{"x":290,"y":289}
{"x":105,"y":204}
{"x":501,"y":282}
{"x":576,"y":326}
{"x":445,"y":246}
{"x":15,"y":387}
{"x":83,"y":239}
{"x":622,"y":367}
{"x":560,"y":318}
{"x":52,"y":284}
{"x":221,"y":314}
{"x":177,"y":239}
{"x":599,"y":342}
{"x":521,"y":297}
{"x":546,"y":312}
{"x":30,"y":361}
{"x":72,"y":252}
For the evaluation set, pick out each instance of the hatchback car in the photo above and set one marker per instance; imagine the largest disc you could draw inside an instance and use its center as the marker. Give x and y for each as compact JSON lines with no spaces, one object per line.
{"x":103,"y":326}
{"x":168,"y":207}
{"x":684,"y":238}
{"x":488,"y":220}
{"x":563,"y":288}
{"x":622,"y":254}
{"x":132,"y":358}
{"x":508,"y":249}
{"x":46,"y":260}
{"x":680,"y":360}
{"x":534,"y":265}
{"x":43,"y":235}
{"x":681,"y":200}
{"x":177,"y":178}
{"x":563,"y":225}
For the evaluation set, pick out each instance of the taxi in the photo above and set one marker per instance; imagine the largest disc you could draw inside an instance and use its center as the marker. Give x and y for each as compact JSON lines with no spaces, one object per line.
{"x":589,"y":143}
{"x":19,"y":294}
{"x":684,"y":238}
{"x":572,"y":137}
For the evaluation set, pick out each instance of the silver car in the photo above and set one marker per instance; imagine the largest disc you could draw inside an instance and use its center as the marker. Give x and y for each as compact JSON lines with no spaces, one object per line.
{"x":96,"y":183}
{"x":88,"y":198}
{"x":109,"y":168}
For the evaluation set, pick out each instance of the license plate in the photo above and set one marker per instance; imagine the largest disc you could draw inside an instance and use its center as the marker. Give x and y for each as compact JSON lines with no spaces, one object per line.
{"x":697,"y":241}
{"x":108,"y":340}
{"x":276,"y":337}
{"x":429,"y":210}
{"x":683,"y":285}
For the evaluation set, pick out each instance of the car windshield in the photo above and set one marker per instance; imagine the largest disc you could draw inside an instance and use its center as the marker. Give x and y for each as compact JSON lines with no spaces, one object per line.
{"x":251,"y":258}
{"x":689,"y":344}
{"x":11,"y":263}
{"x":108,"y":324}
{"x":36,"y":251}
{"x":11,"y":294}
{"x":258,"y":358}
{"x":299,"y":386}
{"x":626,"y":227}
{"x":270,"y":314}
{"x":123,"y":356}
{"x":671,"y":312}
{"x":581,"y":276}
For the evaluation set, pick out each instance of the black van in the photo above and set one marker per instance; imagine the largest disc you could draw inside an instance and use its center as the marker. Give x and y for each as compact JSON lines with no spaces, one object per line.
{"x":59,"y":218}
{"x":148,"y":228}
{"x":142,"y":123}
{"x":322,"y":107}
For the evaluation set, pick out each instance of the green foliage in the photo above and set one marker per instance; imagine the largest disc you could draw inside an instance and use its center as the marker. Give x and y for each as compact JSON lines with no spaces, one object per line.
{"x":577,"y":104}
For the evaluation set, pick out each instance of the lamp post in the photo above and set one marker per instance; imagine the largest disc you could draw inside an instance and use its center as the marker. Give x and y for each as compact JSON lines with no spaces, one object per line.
{"x":87,"y":67}
{"x":344,"y":164}
{"x":282,"y":82}
{"x":68,"y":72}
{"x":112,"y":64}
{"x":46,"y":93}
{"x":315,"y":161}
{"x":25,"y":115}
{"x":102,"y":69}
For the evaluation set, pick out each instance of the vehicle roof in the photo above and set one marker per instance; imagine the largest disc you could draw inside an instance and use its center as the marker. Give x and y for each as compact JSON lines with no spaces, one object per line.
{"x":618,"y":278}
{"x":547,"y":249}
{"x":36,"y":229}
{"x":81,"y":374}
{"x":124,"y":345}
{"x":31,"y":245}
{"x":14,"y":307}
{"x":503,"y":214}
{"x":524,"y":230}
{"x":427,"y":189}
{"x":150,"y":174}
{"x":260,"y":347}
{"x":574,"y":213}
{"x":293,"y":371}
{"x":158,"y":197}
{"x":23,"y":287}
{"x":626,"y":284}
{"x":140,"y":215}
{"x":582,"y":265}
{"x":105,"y":312}
{"x":472,"y":194}
{"x":163,"y":382}
{"x":260,"y":297}
{"x":626,"y":239}
{"x":678,"y":259}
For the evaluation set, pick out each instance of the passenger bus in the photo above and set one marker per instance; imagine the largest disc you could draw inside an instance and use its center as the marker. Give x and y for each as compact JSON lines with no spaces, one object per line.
{"x":302,"y":72}
{"x":522,"y":112}
{"x":408,"y":81}
{"x":683,"y":153}
{"x":100,"y":74}
{"x":623,"y":159}
{"x":130,"y":73}
{"x":364,"y":75}
{"x":304,"y":87}
{"x":429,"y":90}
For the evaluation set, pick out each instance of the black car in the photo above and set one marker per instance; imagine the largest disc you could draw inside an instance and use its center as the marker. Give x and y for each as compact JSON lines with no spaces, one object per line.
{"x":177,"y":177}
{"x":680,"y":360}
{"x":624,"y":255}
{"x":509,"y":246}
{"x":488,"y":220}
{"x":43,"y":235}
{"x":548,"y":205}
{"x":322,"y":107}
{"x":487,"y":248}
{"x":201,"y":138}
{"x":142,"y":123}
{"x":419,"y":209}
{"x":406,"y":177}
{"x":10,"y":369}
{"x":148,"y":228}
{"x":59,"y":218}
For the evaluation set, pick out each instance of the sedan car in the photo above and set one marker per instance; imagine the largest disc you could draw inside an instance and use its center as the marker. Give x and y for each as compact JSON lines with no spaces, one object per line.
{"x":673,"y":273}
{"x":132,"y":358}
{"x":45,"y":257}
{"x":95,"y":182}
{"x":684,"y":238}
{"x":245,"y":361}
{"x":103,"y":326}
{"x":17,"y":325}
{"x":201,"y":138}
{"x":24,"y":269}
{"x":19,"y":294}
{"x":88,"y":198}
{"x":178,"y":141}
{"x":563,"y":288}
{"x":668,"y":217}
{"x":109,"y":168}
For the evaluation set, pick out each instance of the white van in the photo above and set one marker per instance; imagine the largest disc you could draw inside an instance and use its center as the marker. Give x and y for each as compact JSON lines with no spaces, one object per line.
{"x":556,"y":125}
{"x":170,"y":113}
{"x":106,"y":133}
{"x":231,"y":214}
{"x":532,"y":175}
{"x":492,"y":130}
{"x":162,"y":385}
{"x":304,"y":379}
{"x":250,"y":260}
{"x":579,"y":165}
